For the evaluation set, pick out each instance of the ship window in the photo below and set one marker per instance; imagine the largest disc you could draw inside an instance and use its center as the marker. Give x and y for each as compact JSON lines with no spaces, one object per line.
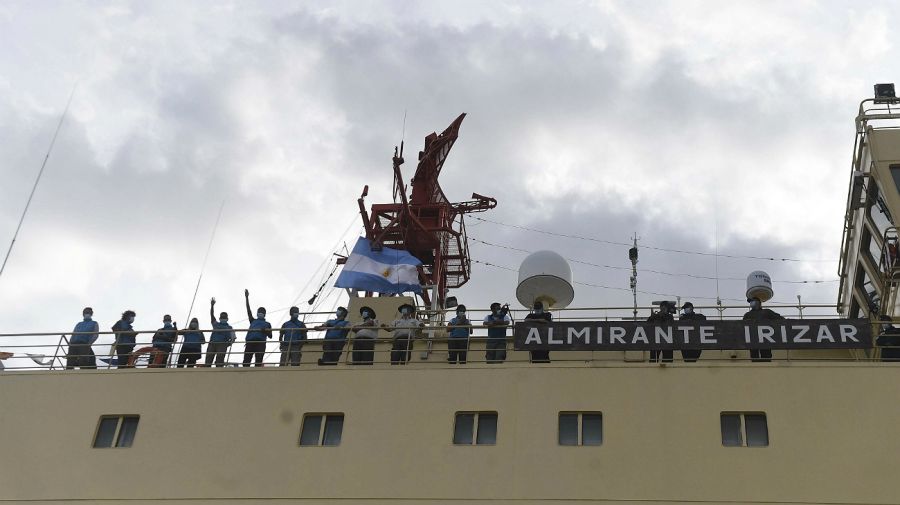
{"x":115,"y":431}
{"x":867,"y":287}
{"x":744,"y":429}
{"x":879,"y":213}
{"x":479,"y":428}
{"x":322,"y":429}
{"x":580,"y":428}
{"x":872,"y":246}
{"x":895,"y":173}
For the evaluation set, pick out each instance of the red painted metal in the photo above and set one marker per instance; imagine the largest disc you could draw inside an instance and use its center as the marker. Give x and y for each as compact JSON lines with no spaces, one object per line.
{"x":426,"y":223}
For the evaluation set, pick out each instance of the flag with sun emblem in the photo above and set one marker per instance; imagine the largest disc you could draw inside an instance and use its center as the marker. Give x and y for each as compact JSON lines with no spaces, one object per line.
{"x":385,"y":271}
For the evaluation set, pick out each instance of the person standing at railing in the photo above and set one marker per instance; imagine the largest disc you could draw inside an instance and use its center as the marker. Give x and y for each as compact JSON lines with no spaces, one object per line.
{"x":889,"y":340}
{"x":222,"y":336}
{"x":192,"y":344}
{"x":459,"y":329}
{"x":662,"y":317}
{"x":163,"y":340}
{"x":84,"y":335}
{"x":291,"y":337}
{"x":336,"y":331}
{"x":260,"y":330}
{"x":497,"y":322}
{"x":757,"y":313}
{"x":365,"y":334}
{"x":405,"y":330}
{"x":539,"y":316}
{"x":124,"y":339}
{"x":688,"y":314}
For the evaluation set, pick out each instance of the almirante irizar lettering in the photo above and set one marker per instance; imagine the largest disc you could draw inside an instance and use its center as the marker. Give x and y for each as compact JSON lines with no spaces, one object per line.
{"x":628,"y":335}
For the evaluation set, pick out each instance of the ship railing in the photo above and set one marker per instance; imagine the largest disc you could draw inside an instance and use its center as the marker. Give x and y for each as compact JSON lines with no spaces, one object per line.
{"x":877,"y":109}
{"x":50,"y":350}
{"x":889,"y":260}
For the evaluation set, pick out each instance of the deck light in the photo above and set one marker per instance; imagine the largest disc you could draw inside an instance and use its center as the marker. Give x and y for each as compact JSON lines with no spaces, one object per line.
{"x":885,"y":92}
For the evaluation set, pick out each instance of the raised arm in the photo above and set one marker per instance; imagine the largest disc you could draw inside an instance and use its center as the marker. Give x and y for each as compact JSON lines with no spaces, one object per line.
{"x":247,"y":300}
{"x":212,"y":311}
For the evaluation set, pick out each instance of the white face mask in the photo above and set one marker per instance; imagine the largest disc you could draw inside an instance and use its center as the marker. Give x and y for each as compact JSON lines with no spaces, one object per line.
{"x":260,"y":315}
{"x":688,"y":310}
{"x":461,"y":314}
{"x":167,"y":323}
{"x":365,"y":314}
{"x":295,"y":315}
{"x":194,"y":326}
{"x":223,"y":320}
{"x":87,"y":316}
{"x":130,"y":320}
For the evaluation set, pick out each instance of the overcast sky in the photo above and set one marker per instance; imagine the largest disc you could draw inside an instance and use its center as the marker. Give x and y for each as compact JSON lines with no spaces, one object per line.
{"x":693,"y":124}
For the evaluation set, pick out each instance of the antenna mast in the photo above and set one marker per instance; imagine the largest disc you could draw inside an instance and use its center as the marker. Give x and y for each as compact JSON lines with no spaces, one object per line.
{"x":633,"y":256}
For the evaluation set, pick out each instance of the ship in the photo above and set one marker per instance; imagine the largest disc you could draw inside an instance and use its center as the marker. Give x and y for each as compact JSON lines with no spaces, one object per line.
{"x":597,"y":423}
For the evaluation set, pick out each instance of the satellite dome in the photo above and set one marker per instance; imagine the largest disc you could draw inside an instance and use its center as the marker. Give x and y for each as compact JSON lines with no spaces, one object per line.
{"x":545,"y":276}
{"x":759,"y":285}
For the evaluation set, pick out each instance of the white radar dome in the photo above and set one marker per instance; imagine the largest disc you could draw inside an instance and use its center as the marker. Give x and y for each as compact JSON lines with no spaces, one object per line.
{"x":759,"y":285}
{"x":545,"y":276}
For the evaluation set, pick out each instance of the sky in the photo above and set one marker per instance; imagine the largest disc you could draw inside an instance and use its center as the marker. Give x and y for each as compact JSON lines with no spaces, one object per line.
{"x":701,"y":126}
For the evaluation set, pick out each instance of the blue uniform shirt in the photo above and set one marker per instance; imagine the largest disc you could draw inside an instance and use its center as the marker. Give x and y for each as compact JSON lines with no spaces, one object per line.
{"x":460,"y":332}
{"x":497,"y":331}
{"x":338,"y":329}
{"x":126,"y":334}
{"x":164,"y":338}
{"x":256,"y":333}
{"x":193,"y":339}
{"x":221,"y":336}
{"x":79,"y":337}
{"x":293,"y":331}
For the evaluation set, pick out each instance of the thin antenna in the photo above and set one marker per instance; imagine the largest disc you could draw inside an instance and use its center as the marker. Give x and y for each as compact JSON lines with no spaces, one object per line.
{"x":202,"y":268}
{"x":633,"y":256}
{"x":38,"y":179}
{"x":716,"y":232}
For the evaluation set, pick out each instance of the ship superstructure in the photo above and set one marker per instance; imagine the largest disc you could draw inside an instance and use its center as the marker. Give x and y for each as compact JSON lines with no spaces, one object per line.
{"x":813,"y":425}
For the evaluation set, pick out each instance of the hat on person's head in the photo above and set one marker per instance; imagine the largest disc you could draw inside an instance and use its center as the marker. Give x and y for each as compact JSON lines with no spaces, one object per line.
{"x":460,"y":308}
{"x":687,"y":304}
{"x":365,"y":308}
{"x":412,"y":308}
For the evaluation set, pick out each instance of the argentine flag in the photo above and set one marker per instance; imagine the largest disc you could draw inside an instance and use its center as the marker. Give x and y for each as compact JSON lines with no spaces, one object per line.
{"x":385,"y":271}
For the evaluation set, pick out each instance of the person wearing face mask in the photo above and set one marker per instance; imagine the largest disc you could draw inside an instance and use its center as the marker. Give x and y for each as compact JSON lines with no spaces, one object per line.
{"x":259,"y":331}
{"x":291,"y":337}
{"x":221,"y":338}
{"x":335,"y":337}
{"x":757,"y":313}
{"x":405,"y":330}
{"x":192,"y":344}
{"x":365,"y":334}
{"x":459,"y":328}
{"x":80,"y":353}
{"x":497,"y":322}
{"x":663,"y":317}
{"x":540,"y":317}
{"x":688,"y":314}
{"x":163,"y":340}
{"x":125,"y":339}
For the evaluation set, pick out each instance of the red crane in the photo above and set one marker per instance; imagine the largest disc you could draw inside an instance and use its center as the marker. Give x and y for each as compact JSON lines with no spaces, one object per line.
{"x":426,"y":223}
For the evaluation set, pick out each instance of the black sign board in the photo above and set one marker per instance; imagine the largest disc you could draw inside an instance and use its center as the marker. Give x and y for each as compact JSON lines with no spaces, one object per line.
{"x":637,"y":336}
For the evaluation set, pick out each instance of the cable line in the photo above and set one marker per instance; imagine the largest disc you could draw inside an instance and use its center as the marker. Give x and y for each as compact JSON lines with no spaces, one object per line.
{"x":671,"y":274}
{"x":661,"y":249}
{"x":38,"y":179}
